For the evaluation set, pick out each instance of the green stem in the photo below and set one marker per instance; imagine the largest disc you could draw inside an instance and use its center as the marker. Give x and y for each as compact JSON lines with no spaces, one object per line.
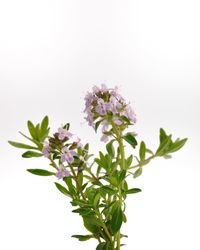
{"x":118,"y":241}
{"x":121,"y":148}
{"x":90,"y":172}
{"x":104,"y":225}
{"x":119,"y":138}
{"x":53,"y":164}
{"x":76,"y":180}
{"x":120,"y":141}
{"x":142,"y":163}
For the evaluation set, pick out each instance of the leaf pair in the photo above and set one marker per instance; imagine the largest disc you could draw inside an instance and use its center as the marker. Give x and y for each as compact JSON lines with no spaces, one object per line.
{"x":40,"y":131}
{"x":130,"y":139}
{"x":38,"y":134}
{"x":167,"y":146}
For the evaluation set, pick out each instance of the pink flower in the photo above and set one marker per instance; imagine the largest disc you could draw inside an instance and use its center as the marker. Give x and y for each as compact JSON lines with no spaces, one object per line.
{"x":78,"y":142}
{"x":114,"y":105}
{"x":101,"y":107}
{"x":129,"y":113}
{"x":117,"y":121}
{"x":105,"y":125}
{"x":62,"y":172}
{"x":63,"y":134}
{"x":104,"y":138}
{"x":67,"y":155}
{"x":46,"y":150}
{"x":102,"y":89}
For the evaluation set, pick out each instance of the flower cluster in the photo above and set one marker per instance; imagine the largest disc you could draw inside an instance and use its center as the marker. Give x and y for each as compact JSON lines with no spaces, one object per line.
{"x":105,"y":105}
{"x":63,"y":145}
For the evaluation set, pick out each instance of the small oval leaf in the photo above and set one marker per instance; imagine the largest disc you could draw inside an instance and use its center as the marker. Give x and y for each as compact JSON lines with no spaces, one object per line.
{"x":117,"y":218}
{"x":133,"y":191}
{"x":30,"y":154}
{"x":40,"y":172}
{"x":142,"y":151}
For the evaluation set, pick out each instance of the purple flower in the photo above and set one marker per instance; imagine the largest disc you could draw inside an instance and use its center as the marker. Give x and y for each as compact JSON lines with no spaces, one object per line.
{"x":62,"y":172}
{"x":101,"y":107}
{"x":114,"y":105}
{"x":67,"y":155}
{"x":104,"y":138}
{"x":46,"y":150}
{"x":114,"y":92}
{"x":63,"y":134}
{"x":89,"y":118}
{"x":95,"y":89}
{"x":129,"y":113}
{"x":89,"y":99}
{"x":105,"y":125}
{"x":78,"y":142}
{"x":117,"y":121}
{"x":102,"y":89}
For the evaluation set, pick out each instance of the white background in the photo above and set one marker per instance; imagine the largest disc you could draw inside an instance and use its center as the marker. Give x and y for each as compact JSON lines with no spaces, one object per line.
{"x":51,"y":53}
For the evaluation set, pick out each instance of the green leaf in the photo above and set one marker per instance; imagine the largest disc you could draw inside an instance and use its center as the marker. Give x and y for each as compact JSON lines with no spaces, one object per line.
{"x":113,"y":180}
{"x":97,"y":125}
{"x":40,"y":172}
{"x":117,"y":218}
{"x":80,"y":178}
{"x":133,"y":191}
{"x":93,"y":228}
{"x":43,"y":129}
{"x":163,"y":135}
{"x":107,"y":162}
{"x":102,"y":246}
{"x":20,"y":145}
{"x":142,"y":151}
{"x":104,"y":161}
{"x":96,"y":199}
{"x":108,"y":190}
{"x":44,"y":124}
{"x":83,"y":211}
{"x":66,"y":126}
{"x":93,"y":220}
{"x":39,"y":144}
{"x":62,"y":189}
{"x":125,"y":119}
{"x":83,"y":237}
{"x":129,"y":161}
{"x":167,"y":156}
{"x":110,"y":149}
{"x":86,"y":147}
{"x":177,"y":145}
{"x":68,"y":181}
{"x":84,"y":186}
{"x":164,"y":146}
{"x":122,"y":176}
{"x":138,"y":172}
{"x":79,"y":202}
{"x":30,"y":154}
{"x":149,"y":151}
{"x":130,"y":139}
{"x":37,"y":130}
{"x":32,"y":130}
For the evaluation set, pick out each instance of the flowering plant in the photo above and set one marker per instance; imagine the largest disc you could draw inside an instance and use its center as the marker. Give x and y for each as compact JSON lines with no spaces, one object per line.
{"x":97,"y":190}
